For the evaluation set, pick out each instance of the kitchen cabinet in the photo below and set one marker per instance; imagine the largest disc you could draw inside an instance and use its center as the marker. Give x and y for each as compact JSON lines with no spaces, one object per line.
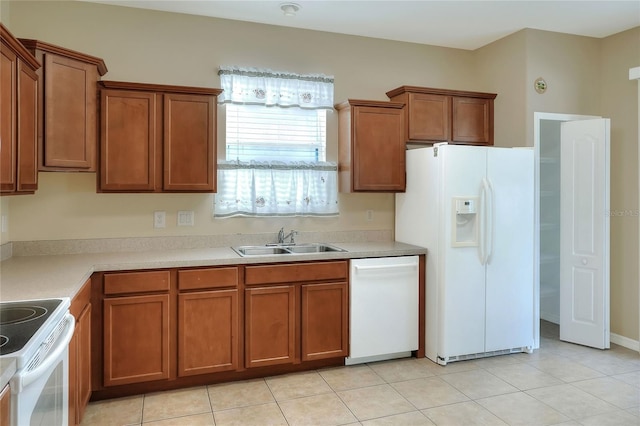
{"x":5,"y":406}
{"x":208,"y":320}
{"x":371,"y":146}
{"x":67,"y":107}
{"x":136,"y":327}
{"x":157,"y":138}
{"x":441,"y":115}
{"x":325,"y":315}
{"x":18,"y":115}
{"x":168,"y":324}
{"x":80,"y":355}
{"x":295,"y":312}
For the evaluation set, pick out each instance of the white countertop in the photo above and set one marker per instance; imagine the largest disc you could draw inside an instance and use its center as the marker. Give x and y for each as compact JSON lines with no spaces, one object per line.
{"x":35,"y":277}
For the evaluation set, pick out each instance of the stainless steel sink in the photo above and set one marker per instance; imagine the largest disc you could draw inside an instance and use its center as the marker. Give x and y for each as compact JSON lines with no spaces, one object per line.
{"x":259,"y":250}
{"x":275,"y":250}
{"x":312,"y":248}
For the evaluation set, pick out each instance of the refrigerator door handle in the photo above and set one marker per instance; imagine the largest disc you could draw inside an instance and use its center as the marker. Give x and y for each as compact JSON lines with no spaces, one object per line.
{"x":490,"y":221}
{"x":482,"y":246}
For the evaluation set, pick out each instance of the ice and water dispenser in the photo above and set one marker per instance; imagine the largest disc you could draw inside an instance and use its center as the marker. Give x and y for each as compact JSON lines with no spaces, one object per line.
{"x":465,"y":222}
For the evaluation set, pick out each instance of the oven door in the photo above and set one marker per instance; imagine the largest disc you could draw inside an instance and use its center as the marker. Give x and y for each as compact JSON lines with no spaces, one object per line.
{"x":40,"y":390}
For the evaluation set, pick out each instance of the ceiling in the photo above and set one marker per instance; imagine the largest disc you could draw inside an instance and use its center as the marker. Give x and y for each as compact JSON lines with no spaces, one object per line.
{"x":456,"y":24}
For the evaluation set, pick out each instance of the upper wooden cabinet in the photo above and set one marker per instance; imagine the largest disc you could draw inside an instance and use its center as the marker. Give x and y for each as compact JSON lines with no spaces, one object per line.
{"x":440,"y":115}
{"x":67,"y":99}
{"x":157,"y":138}
{"x":371,"y":146}
{"x":18,"y":115}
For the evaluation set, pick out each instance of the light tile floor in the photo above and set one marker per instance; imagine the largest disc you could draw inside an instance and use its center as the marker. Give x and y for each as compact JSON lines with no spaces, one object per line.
{"x":559,"y":384}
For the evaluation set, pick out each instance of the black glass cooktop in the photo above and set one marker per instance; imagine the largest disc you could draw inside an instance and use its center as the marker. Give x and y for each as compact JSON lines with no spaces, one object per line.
{"x":20,"y":320}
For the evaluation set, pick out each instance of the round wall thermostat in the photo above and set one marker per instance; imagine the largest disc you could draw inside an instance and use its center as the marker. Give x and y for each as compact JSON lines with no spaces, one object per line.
{"x":540,"y":85}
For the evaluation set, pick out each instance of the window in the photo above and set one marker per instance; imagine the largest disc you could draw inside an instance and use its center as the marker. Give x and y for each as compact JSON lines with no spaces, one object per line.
{"x":275,"y":145}
{"x":256,"y":132}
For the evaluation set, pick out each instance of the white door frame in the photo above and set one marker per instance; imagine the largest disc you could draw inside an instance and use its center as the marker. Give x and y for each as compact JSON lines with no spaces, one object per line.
{"x":537,"y":118}
{"x":634,"y":74}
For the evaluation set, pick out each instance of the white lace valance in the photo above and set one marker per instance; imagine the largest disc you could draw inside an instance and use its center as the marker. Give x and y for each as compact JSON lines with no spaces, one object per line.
{"x":263,"y":86}
{"x":276,"y":189}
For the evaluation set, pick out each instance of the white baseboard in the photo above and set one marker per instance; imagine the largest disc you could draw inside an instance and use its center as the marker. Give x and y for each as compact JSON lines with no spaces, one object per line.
{"x":551,"y":317}
{"x":634,"y":345}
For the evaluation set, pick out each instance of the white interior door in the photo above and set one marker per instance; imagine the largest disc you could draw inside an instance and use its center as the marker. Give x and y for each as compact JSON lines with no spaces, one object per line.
{"x":584,"y":233}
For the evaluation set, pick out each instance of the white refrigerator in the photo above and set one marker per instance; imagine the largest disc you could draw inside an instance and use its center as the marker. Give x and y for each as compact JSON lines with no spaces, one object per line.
{"x":472,"y":207}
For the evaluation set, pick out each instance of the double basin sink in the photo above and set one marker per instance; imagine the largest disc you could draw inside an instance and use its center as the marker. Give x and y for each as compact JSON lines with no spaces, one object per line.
{"x":285,"y":249}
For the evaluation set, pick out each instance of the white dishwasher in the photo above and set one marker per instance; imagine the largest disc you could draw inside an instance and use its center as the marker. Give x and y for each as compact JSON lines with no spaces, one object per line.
{"x":384,"y":308}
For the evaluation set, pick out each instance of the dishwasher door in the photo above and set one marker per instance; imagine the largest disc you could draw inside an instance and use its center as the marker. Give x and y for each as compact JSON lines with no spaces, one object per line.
{"x":384,"y":308}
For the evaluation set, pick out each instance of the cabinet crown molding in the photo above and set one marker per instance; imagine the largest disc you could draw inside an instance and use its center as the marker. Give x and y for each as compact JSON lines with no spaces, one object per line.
{"x":434,"y":91}
{"x":18,"y":48}
{"x":33,"y":45}
{"x":126,"y":85}
{"x":367,"y":103}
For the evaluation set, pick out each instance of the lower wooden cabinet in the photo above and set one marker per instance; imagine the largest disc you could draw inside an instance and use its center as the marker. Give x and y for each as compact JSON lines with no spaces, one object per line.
{"x":80,"y":356}
{"x":207,"y":332}
{"x":163,"y":329}
{"x":301,"y":321}
{"x":5,"y":406}
{"x":325,"y":318}
{"x":136,"y":339}
{"x":270,"y":321}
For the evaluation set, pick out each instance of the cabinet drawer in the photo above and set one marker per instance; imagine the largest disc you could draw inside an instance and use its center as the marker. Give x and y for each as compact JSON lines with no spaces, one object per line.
{"x":296,"y":272}
{"x":136,"y":282}
{"x":197,"y":279}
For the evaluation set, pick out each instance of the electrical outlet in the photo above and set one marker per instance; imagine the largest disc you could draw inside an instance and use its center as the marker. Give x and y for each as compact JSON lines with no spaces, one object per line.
{"x":159,"y":218}
{"x":369,"y":216}
{"x":5,"y":223}
{"x":185,"y":218}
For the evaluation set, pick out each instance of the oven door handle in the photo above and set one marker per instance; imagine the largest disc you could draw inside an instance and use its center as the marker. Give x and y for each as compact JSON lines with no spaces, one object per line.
{"x":26,"y":378}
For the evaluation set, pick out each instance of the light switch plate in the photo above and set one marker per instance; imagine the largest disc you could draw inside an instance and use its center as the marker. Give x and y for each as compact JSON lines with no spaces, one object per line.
{"x":159,"y":219}
{"x":185,"y":218}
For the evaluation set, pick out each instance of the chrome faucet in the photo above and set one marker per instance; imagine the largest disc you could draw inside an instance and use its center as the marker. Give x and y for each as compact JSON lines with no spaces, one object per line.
{"x":282,"y":237}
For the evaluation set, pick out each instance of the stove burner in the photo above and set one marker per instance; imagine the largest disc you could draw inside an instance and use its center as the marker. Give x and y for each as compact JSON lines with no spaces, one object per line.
{"x":22,"y":319}
{"x":21,"y":314}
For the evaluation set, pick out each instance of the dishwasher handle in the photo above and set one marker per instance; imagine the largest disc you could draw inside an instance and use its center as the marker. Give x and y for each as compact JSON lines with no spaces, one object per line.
{"x":371,"y":267}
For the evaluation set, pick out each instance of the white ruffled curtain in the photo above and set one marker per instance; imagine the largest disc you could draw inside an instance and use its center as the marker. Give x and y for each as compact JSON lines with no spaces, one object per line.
{"x":275,"y":88}
{"x":276,"y":189}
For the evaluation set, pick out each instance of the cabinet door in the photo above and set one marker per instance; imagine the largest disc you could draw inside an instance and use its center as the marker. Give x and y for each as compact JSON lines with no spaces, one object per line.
{"x":27,"y":173}
{"x":324,"y":321}
{"x":472,"y":120}
{"x":129,"y":139}
{"x":70,"y":109}
{"x":207,"y":332}
{"x":83,"y":360}
{"x":378,"y":149}
{"x":136,"y":339}
{"x":429,"y":117}
{"x":8,"y":134}
{"x":189,"y":148}
{"x":5,"y":406}
{"x":270,"y":332}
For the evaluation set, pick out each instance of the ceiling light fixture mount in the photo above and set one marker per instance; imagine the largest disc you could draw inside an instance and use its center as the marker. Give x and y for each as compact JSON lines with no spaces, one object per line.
{"x":289,"y":9}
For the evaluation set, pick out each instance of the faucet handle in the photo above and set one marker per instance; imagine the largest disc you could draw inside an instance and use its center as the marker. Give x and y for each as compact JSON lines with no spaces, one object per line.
{"x":293,"y":234}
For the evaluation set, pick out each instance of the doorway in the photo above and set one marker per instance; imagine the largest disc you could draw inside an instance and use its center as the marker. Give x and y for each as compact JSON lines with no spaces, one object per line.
{"x":547,"y":148}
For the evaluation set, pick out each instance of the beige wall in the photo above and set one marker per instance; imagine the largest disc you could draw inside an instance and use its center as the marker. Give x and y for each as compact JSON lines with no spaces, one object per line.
{"x":585,"y":76}
{"x":160,"y":47}
{"x":502,"y":65}
{"x":619,"y":101}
